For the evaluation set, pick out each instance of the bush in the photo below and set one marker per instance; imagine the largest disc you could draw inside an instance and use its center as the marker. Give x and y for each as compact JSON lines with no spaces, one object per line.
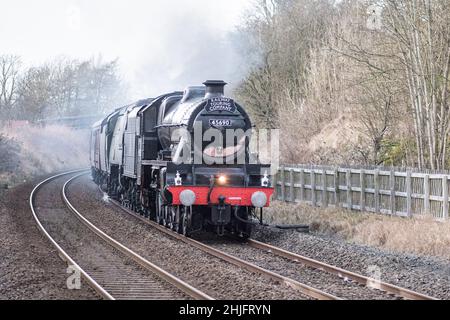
{"x":9,"y":150}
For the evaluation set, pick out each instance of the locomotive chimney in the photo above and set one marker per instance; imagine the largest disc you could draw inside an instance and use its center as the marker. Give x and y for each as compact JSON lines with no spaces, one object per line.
{"x":214,"y":88}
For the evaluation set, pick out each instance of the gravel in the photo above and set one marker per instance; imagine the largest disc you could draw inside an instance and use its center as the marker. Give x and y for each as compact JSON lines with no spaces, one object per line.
{"x":29,"y":265}
{"x":427,"y":275}
{"x":211,"y":275}
{"x":322,"y":280}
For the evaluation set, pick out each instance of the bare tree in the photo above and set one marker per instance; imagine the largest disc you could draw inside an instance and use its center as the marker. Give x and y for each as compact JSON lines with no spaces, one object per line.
{"x":68,"y":87}
{"x":284,"y":33}
{"x":9,"y":73}
{"x":377,"y":115}
{"x":412,"y":49}
{"x":35,"y":93}
{"x":422,"y":36}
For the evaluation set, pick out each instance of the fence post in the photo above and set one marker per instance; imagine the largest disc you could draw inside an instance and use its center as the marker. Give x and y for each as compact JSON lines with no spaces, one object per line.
{"x":336,"y":187}
{"x":274,"y":184}
{"x":348,"y":178}
{"x":408,"y":193}
{"x":362,"y":199}
{"x":324,"y":190}
{"x":313,"y":187}
{"x":392,"y":187}
{"x":426,"y":190}
{"x":291,"y":185}
{"x":445,"y":197}
{"x":302,"y":183}
{"x":376,"y":195}
{"x":283,"y":185}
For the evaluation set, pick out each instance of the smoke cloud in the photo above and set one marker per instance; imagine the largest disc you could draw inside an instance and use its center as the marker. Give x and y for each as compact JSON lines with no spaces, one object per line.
{"x":29,"y":151}
{"x":162,"y":45}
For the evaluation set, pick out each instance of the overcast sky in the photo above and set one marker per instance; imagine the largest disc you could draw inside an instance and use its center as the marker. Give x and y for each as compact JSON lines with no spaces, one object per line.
{"x":162,"y":45}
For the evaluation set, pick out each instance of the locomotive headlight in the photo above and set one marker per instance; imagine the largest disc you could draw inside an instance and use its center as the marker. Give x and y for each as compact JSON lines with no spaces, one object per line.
{"x":259,"y":199}
{"x":265,"y":180}
{"x":178,"y":179}
{"x":222,"y":179}
{"x":187,"y":197}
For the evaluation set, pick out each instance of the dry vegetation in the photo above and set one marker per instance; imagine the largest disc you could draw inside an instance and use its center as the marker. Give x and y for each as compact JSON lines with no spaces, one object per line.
{"x":32,"y":151}
{"x":377,"y":71}
{"x":422,"y":236}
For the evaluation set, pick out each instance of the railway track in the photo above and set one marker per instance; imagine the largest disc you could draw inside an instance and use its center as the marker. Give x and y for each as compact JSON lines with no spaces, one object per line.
{"x":111,"y":269}
{"x":301,"y":287}
{"x":364,"y":286}
{"x":337,"y":281}
{"x":339,"y":272}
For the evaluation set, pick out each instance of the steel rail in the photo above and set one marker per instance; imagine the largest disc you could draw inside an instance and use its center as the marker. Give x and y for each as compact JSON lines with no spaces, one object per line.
{"x":315,"y":293}
{"x":366,"y":281}
{"x":63,"y":254}
{"x":303,"y":288}
{"x":180,"y":284}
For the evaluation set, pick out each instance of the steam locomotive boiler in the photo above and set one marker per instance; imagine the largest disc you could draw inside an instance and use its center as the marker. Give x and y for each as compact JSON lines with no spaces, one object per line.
{"x":183,"y":160}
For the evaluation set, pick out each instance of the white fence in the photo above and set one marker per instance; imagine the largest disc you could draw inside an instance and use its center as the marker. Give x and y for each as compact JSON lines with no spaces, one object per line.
{"x":377,"y":190}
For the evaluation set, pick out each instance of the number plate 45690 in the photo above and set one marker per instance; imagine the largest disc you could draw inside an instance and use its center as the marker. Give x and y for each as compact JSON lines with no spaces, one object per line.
{"x":220,"y":123}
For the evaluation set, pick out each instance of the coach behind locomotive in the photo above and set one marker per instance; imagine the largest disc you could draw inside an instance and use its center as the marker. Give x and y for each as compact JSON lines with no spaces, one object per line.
{"x":183,"y":160}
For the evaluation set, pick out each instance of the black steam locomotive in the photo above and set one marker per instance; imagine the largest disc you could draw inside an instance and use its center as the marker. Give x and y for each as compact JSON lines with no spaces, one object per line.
{"x":165,"y":158}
